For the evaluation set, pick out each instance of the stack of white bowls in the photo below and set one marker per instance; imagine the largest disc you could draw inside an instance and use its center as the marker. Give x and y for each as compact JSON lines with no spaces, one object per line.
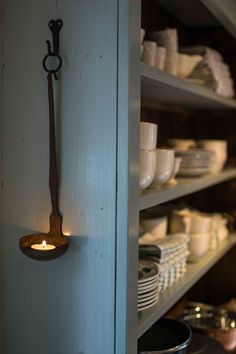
{"x":148,"y":141}
{"x":168,"y":40}
{"x":219,"y":150}
{"x":153,"y":55}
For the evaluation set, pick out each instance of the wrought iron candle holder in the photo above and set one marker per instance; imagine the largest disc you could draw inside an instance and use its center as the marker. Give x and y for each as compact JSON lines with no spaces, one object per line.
{"x":51,"y":245}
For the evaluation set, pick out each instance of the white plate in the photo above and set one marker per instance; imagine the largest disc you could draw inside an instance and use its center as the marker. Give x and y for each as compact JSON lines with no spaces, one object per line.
{"x":147,"y":270}
{"x":149,"y":280}
{"x":148,"y":298}
{"x":147,"y":306}
{"x":194,"y":172}
{"x":148,"y":301}
{"x":147,"y":283}
{"x":146,"y":290}
{"x":151,"y":293}
{"x":148,"y":286}
{"x":144,"y":281}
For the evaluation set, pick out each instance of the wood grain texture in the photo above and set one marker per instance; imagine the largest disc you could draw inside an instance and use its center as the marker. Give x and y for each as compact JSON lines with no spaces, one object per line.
{"x":1,"y":172}
{"x":128,"y":175}
{"x":65,"y":306}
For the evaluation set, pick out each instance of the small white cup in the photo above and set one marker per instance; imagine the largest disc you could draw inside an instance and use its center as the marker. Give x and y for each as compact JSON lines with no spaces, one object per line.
{"x":171,"y":62}
{"x":197,"y":223}
{"x":149,"y":53}
{"x":155,"y":226}
{"x":160,"y":58}
{"x":147,"y":167}
{"x":148,"y":136}
{"x":189,"y":222}
{"x":198,"y":246}
{"x":164,"y":166}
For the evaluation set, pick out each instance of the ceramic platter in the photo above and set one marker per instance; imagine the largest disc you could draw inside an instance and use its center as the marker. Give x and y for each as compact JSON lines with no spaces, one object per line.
{"x":147,"y":305}
{"x":147,"y":289}
{"x":147,"y":271}
{"x":150,"y":293}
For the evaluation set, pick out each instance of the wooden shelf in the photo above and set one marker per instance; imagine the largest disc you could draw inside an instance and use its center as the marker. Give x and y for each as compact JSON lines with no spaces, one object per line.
{"x":153,"y":197}
{"x":168,"y":89}
{"x":169,"y":297}
{"x":203,"y":13}
{"x":225,"y":12}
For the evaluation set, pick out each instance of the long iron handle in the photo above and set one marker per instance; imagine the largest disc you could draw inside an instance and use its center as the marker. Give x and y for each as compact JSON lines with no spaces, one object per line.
{"x":55,"y":217}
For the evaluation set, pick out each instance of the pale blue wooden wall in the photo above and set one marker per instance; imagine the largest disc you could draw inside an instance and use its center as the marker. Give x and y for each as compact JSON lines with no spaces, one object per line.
{"x":65,"y":306}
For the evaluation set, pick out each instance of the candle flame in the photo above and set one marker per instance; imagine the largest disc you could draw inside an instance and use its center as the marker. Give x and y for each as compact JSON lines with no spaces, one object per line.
{"x":44,"y":244}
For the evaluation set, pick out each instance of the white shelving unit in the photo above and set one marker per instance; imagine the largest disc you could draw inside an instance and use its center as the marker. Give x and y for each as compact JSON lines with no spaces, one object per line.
{"x":140,"y":83}
{"x":161,"y":87}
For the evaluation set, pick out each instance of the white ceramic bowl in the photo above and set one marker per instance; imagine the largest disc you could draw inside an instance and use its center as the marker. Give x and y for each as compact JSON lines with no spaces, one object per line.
{"x":198,"y":246}
{"x":155,"y":226}
{"x":148,"y":136}
{"x":177,"y":163}
{"x":149,"y":53}
{"x":164,"y":166}
{"x":147,"y":167}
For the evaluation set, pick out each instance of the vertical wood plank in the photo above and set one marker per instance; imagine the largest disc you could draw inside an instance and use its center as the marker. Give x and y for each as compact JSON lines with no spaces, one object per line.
{"x":128,"y":174}
{"x":66,"y":306}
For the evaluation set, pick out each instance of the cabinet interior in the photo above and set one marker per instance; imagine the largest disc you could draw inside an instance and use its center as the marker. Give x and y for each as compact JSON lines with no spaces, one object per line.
{"x":217,"y":286}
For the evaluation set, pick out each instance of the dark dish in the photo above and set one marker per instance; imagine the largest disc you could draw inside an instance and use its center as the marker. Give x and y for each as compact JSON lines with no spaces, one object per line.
{"x":166,"y":336}
{"x":217,"y":323}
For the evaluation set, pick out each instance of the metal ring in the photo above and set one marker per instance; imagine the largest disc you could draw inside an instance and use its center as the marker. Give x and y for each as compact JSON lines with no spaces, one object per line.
{"x":59,"y":64}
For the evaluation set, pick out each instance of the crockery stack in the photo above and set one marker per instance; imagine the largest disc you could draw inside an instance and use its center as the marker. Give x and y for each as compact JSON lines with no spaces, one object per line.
{"x":148,"y":284}
{"x":148,"y":140}
{"x":206,"y":231}
{"x":195,"y":162}
{"x":170,"y":254}
{"x":168,"y":40}
{"x":212,"y":71}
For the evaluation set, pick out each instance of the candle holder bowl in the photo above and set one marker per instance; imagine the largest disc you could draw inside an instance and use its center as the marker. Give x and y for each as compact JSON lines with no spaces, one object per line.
{"x":60,"y":242}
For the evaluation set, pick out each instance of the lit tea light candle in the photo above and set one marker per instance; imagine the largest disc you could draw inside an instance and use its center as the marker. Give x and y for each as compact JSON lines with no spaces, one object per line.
{"x":42,"y":246}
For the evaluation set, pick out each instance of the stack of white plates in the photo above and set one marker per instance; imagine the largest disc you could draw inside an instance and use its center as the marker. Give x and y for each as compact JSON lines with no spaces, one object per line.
{"x":148,"y":284}
{"x":195,"y":162}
